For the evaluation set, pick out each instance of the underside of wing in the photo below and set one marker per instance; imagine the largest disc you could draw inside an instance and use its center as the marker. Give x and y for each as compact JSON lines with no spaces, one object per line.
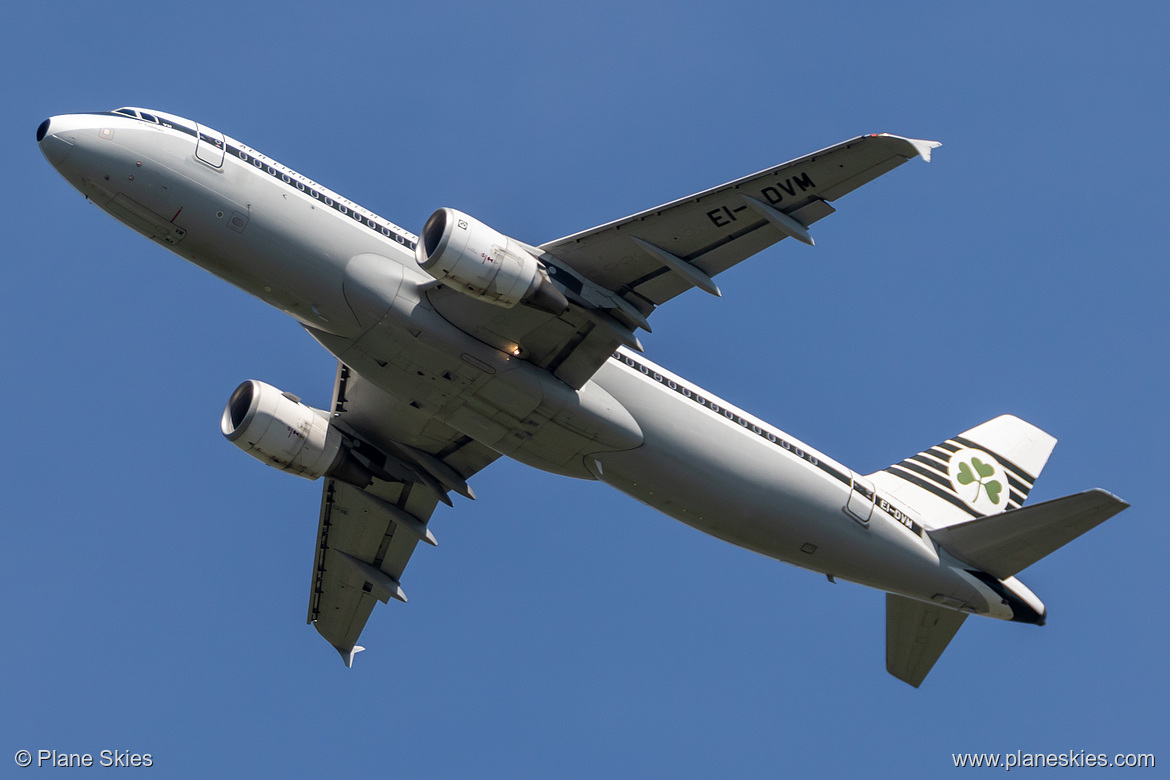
{"x":650,"y":257}
{"x":367,"y":533}
{"x":570,"y":346}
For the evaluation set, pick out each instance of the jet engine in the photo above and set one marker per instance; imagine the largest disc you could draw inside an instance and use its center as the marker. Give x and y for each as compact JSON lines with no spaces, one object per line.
{"x":485,"y":264}
{"x":277,"y":429}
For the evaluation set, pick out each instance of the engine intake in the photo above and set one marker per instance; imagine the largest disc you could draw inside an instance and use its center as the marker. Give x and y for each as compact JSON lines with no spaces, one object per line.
{"x":484,"y":263}
{"x":277,"y":429}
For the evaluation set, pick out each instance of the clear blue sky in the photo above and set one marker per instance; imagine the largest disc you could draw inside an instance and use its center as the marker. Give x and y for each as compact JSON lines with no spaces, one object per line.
{"x":157,"y":579}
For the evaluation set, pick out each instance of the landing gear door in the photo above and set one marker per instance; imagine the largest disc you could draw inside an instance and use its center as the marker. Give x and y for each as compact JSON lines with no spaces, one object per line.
{"x":860,"y":503}
{"x":209,"y":147}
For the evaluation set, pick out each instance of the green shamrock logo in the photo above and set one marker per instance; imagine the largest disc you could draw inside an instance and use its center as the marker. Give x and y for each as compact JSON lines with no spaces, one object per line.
{"x":982,"y":471}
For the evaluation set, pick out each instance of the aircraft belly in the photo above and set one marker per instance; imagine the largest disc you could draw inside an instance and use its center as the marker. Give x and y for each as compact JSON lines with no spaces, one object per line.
{"x":721,"y":478}
{"x":500,"y":401}
{"x":731,"y":488}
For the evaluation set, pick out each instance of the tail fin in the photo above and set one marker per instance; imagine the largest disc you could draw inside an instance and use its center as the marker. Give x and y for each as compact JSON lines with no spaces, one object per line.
{"x":986,"y":470}
{"x":1007,"y":543}
{"x":1001,"y":545}
{"x":969,"y":491}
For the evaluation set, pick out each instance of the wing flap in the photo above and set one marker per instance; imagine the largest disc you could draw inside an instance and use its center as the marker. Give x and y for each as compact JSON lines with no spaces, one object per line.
{"x":917,"y":633}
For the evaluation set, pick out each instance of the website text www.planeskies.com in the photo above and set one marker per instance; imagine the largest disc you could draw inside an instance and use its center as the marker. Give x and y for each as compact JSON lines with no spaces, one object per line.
{"x":1069,"y":758}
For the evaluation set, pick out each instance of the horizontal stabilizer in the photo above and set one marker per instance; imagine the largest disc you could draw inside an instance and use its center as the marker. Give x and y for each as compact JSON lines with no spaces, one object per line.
{"x":916,"y":635}
{"x":1009,"y":542}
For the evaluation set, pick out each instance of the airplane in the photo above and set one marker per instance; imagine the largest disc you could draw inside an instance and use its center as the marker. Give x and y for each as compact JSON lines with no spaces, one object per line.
{"x":461,"y":345}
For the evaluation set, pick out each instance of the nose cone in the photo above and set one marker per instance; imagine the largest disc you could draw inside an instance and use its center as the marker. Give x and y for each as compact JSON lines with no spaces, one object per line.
{"x":55,"y":144}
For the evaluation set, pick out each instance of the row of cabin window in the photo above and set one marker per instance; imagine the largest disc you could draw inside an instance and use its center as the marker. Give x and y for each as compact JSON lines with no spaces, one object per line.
{"x":271,"y":170}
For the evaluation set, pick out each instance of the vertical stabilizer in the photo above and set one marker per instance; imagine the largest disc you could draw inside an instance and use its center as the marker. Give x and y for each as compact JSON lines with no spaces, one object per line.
{"x":986,"y":470}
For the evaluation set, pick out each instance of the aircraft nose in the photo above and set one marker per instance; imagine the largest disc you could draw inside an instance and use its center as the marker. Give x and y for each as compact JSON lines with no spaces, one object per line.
{"x":55,"y":147}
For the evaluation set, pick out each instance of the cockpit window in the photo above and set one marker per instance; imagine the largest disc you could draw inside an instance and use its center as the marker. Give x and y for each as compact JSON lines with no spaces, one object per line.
{"x":134,"y":113}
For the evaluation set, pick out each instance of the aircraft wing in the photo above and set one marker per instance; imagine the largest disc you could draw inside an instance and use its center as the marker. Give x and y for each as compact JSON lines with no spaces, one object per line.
{"x":650,"y":257}
{"x":616,"y":274}
{"x":366,"y":536}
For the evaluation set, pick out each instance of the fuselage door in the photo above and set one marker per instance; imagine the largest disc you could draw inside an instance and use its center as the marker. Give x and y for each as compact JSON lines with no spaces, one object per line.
{"x":210,"y":146}
{"x":860,"y":502}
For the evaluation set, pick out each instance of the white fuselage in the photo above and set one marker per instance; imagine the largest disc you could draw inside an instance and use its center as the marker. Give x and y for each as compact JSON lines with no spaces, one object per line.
{"x":350,"y":277}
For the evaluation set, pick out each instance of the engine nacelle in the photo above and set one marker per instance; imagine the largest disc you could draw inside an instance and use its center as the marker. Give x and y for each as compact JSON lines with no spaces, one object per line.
{"x":277,"y":429}
{"x":485,"y":264}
